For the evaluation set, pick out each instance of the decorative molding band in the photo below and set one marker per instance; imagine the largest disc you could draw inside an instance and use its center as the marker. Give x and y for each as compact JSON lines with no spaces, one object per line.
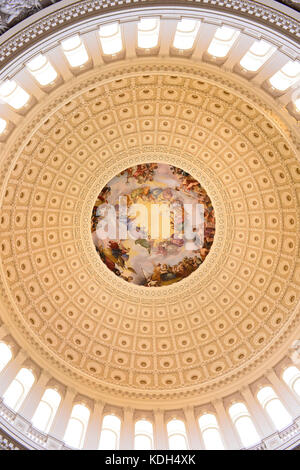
{"x":63,"y":14}
{"x":16,"y":433}
{"x":7,"y":443}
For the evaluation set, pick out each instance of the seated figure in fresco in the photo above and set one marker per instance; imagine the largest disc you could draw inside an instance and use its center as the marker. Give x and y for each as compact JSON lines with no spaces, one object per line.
{"x":106,"y":260}
{"x":114,"y":255}
{"x":140,"y":193}
{"x":166,"y":273}
{"x":179,"y":270}
{"x":141,"y":173}
{"x":102,"y":197}
{"x":128,"y":173}
{"x":203,"y":253}
{"x":154,"y":279}
{"x":119,"y":252}
{"x":127,"y":278}
{"x":94,"y":220}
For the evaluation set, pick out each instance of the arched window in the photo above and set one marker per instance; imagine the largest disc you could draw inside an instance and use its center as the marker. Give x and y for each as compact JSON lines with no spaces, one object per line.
{"x":5,"y":355}
{"x":286,"y":76}
{"x":13,"y":94}
{"x":222,"y":41}
{"x":148,"y":32}
{"x":210,"y":432}
{"x":18,"y":389}
{"x":75,"y":51}
{"x":110,"y":433}
{"x":273,"y":406}
{"x":77,"y":426}
{"x":143,"y":435}
{"x":291,"y":376}
{"x":46,"y":410}
{"x":186,"y":33}
{"x":257,"y":55}
{"x":177,"y":435}
{"x":111,"y":38}
{"x":243,"y":423}
{"x":42,"y":70}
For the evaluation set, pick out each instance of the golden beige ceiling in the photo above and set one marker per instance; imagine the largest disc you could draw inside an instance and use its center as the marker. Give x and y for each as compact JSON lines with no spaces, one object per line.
{"x":97,"y":329}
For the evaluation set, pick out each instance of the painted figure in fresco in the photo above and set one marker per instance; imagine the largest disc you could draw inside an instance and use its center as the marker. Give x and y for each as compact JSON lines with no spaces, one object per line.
{"x":102,"y":197}
{"x":167,"y":274}
{"x":141,"y":173}
{"x":114,"y":256}
{"x":127,"y":278}
{"x":119,"y":252}
{"x":144,"y":243}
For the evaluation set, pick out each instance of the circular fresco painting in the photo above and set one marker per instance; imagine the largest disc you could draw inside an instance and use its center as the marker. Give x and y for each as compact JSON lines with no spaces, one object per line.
{"x":153,"y":224}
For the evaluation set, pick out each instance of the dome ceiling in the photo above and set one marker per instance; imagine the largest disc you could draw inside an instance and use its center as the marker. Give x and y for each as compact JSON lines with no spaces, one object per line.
{"x":113,"y":336}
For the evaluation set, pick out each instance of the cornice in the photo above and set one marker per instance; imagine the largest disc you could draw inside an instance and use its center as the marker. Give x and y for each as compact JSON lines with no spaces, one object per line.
{"x":67,"y":13}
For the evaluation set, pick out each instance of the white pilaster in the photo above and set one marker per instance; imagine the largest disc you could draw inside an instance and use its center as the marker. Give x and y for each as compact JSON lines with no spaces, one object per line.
{"x":11,"y":371}
{"x":130,"y":38}
{"x":226,"y":427}
{"x":160,"y":431}
{"x":127,"y":430}
{"x":60,"y":63}
{"x":92,"y":42}
{"x":27,"y":82}
{"x":9,"y":113}
{"x":192,"y":428}
{"x":34,"y":396}
{"x":261,"y":421}
{"x":92,"y":437}
{"x":238,"y":50}
{"x":277,"y":60}
{"x":60,"y":422}
{"x":167,"y":33}
{"x":206,"y":33}
{"x":287,"y":397}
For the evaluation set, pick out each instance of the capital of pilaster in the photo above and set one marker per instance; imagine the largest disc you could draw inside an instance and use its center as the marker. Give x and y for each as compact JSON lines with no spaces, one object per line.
{"x":245,"y":389}
{"x":21,"y":356}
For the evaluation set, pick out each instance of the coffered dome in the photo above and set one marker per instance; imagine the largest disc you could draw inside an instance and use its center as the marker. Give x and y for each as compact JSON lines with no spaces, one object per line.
{"x":183,"y":343}
{"x":89,"y":324}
